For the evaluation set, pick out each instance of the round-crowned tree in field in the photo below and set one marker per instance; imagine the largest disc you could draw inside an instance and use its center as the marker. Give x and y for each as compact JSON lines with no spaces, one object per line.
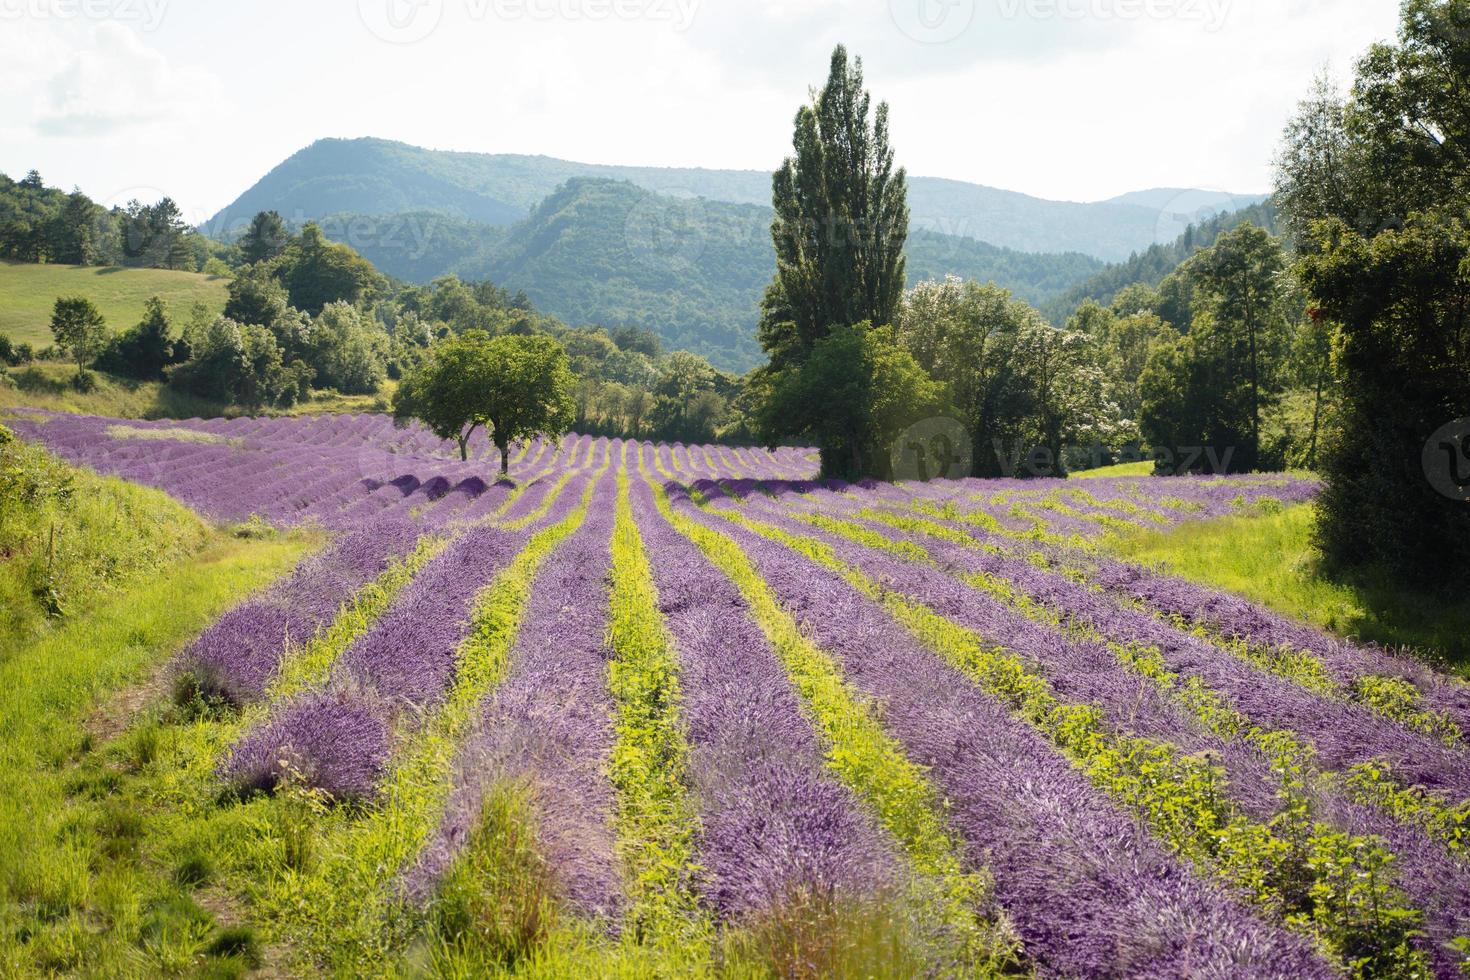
{"x":516,"y":387}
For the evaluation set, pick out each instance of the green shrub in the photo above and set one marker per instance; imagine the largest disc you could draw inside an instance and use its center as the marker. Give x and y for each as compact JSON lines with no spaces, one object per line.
{"x":497,"y":901}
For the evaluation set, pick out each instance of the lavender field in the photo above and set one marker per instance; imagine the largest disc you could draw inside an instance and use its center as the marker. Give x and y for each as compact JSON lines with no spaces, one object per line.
{"x":685,"y":710}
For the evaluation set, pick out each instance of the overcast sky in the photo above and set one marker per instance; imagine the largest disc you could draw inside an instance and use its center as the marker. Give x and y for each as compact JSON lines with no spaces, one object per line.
{"x":1066,"y":99}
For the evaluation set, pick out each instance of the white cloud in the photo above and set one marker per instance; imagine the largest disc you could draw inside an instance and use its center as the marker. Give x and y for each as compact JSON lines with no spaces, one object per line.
{"x":1021,"y":97}
{"x":116,"y":82}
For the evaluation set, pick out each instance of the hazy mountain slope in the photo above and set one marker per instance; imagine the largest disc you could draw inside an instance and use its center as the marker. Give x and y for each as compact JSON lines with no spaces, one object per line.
{"x":1152,"y":265}
{"x":373,"y":176}
{"x":608,"y":252}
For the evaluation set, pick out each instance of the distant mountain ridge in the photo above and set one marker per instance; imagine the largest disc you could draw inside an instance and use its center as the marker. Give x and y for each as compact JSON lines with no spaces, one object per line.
{"x":692,"y":270}
{"x":381,"y":177}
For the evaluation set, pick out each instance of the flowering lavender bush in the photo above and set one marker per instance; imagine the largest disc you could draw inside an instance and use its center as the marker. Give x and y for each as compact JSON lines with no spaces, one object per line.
{"x":872,"y":690}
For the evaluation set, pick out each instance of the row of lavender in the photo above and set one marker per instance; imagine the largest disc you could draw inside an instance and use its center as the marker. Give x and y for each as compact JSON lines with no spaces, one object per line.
{"x":1089,"y":890}
{"x":1086,"y":623}
{"x":1090,"y":893}
{"x":333,"y":470}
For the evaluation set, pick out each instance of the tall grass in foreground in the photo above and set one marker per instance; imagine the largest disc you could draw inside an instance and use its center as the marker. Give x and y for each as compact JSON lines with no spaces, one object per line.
{"x":69,"y":537}
{"x":79,"y":889}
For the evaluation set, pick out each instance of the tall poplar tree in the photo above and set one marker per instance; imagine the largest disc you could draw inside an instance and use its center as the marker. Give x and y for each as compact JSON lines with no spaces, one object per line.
{"x":840,"y":225}
{"x":841,"y":219}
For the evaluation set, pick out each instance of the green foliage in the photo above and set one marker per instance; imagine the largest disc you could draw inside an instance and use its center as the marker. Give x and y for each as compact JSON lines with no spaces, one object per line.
{"x":346,"y":350}
{"x":853,"y":394}
{"x":517,"y":387}
{"x":1212,"y":387}
{"x":256,"y":297}
{"x":316,"y":272}
{"x":841,"y":220}
{"x":266,"y":238}
{"x":1018,"y":384}
{"x":1378,"y":184}
{"x":144,"y":351}
{"x":1401,"y":299}
{"x":497,"y":905}
{"x":79,"y":329}
{"x":69,"y":537}
{"x":241,"y":364}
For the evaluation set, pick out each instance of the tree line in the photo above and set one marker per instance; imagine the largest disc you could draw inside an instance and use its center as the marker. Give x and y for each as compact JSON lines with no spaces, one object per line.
{"x":1344,"y":347}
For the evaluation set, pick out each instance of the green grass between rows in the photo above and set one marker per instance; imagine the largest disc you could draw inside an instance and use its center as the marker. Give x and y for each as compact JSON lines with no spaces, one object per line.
{"x":1269,"y":558}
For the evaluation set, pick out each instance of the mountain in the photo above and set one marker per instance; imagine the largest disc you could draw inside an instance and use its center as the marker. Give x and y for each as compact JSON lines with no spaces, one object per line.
{"x":692,"y":270}
{"x":382,"y":177}
{"x":1151,"y":266}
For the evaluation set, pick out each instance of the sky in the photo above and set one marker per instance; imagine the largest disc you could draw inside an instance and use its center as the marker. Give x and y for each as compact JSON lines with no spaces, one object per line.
{"x":1063,"y":99}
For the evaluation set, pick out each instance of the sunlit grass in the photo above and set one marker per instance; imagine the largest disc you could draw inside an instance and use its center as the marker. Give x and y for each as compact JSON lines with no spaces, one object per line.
{"x":1269,"y":558}
{"x":77,"y":889}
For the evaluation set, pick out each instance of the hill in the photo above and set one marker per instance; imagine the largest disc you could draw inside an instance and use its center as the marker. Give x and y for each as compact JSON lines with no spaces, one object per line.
{"x":30,"y":291}
{"x":691,"y":270}
{"x":382,"y":177}
{"x":1152,"y":265}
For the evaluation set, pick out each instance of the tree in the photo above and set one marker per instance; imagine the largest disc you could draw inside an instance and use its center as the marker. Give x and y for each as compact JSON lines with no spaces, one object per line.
{"x":516,"y":387}
{"x":346,"y":351}
{"x":316,"y":272}
{"x":839,"y":229}
{"x":1401,"y":300}
{"x":73,"y":235}
{"x":145,"y":350}
{"x":1385,"y":264}
{"x":256,"y":297}
{"x":856,"y":392}
{"x":241,"y":363}
{"x":154,"y":236}
{"x":1063,"y":395}
{"x":1315,"y":163}
{"x":79,"y":329}
{"x":841,"y":219}
{"x":1241,"y":277}
{"x":682,"y":376}
{"x":265,"y":238}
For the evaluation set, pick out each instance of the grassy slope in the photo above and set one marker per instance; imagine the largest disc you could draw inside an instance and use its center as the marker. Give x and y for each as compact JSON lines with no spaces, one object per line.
{"x":126,"y":399}
{"x":137,"y":575}
{"x":1270,"y":559}
{"x":69,"y":538}
{"x":76,"y":893}
{"x":30,"y":291}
